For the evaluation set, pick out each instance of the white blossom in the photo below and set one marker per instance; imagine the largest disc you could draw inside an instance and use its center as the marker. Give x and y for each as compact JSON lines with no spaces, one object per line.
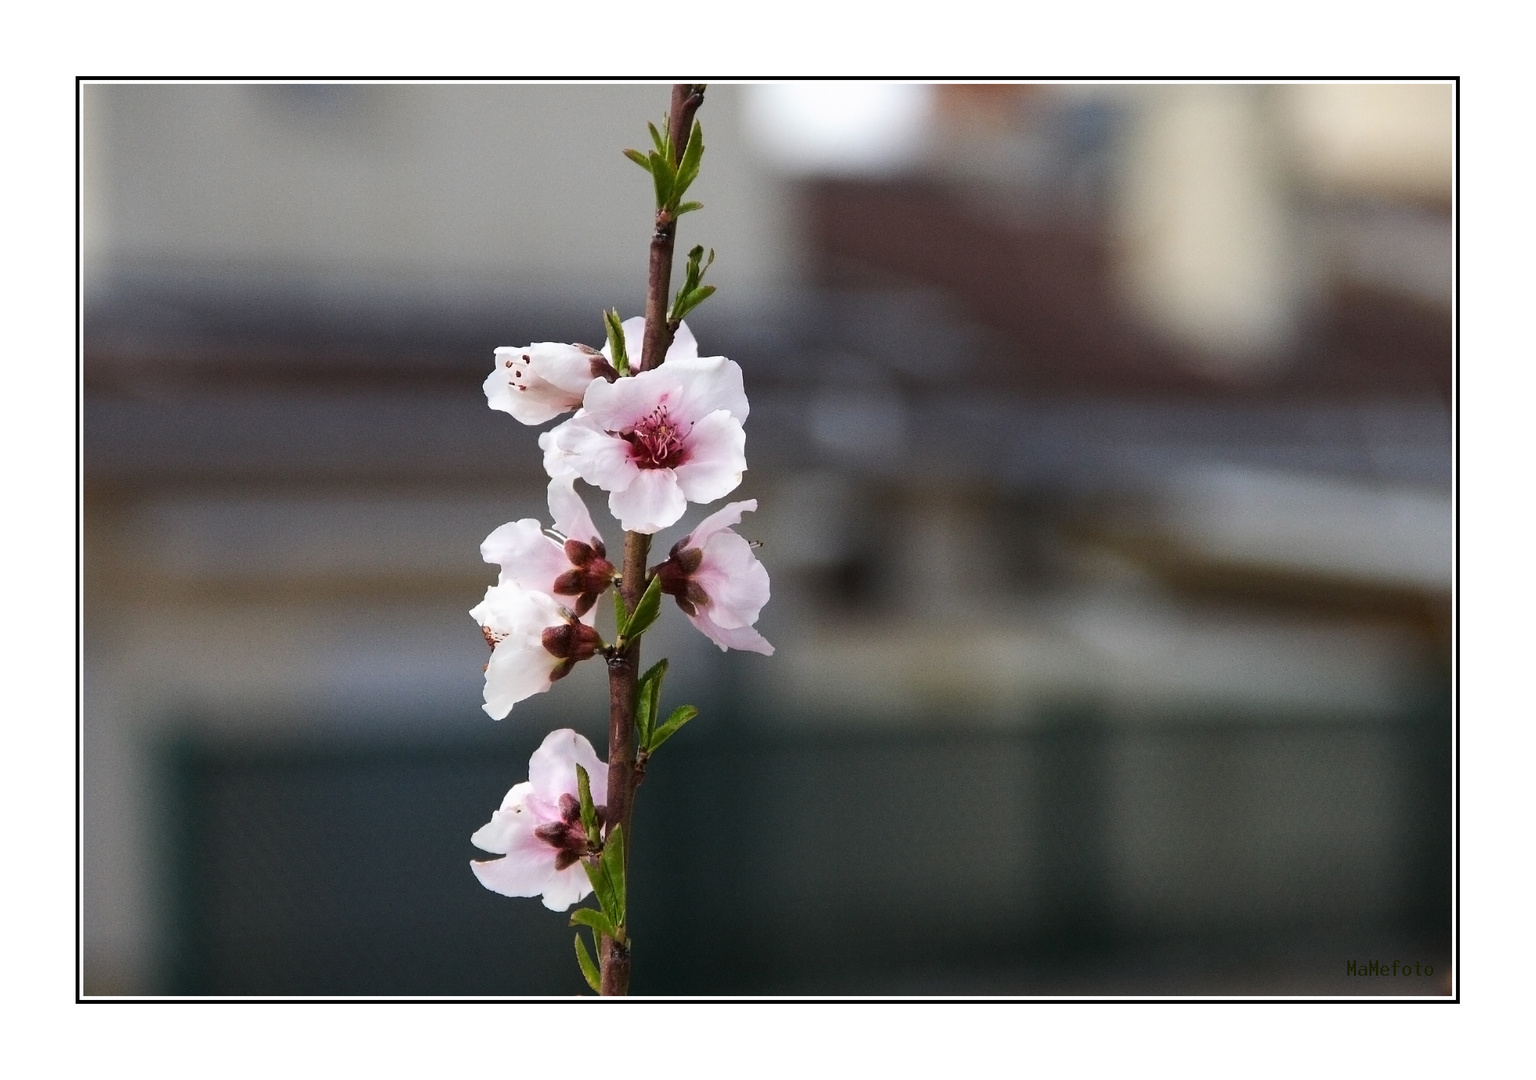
{"x":533,"y":643}
{"x":718,"y":581}
{"x":574,"y":570}
{"x":538,"y":828}
{"x":660,"y":439}
{"x":538,"y":382}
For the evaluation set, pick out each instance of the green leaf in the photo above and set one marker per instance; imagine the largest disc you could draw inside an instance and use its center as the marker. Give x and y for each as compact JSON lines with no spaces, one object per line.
{"x":664,"y":177}
{"x":615,"y":328}
{"x":595,"y":919}
{"x":688,"y":167}
{"x":639,"y":159}
{"x":647,"y":694}
{"x":687,"y":208}
{"x":613,"y":860}
{"x":680,"y":716}
{"x":588,"y":965}
{"x":588,"y":811}
{"x":692,"y":293}
{"x":686,"y":302}
{"x":646,"y":611}
{"x":602,"y":885}
{"x":620,"y":613}
{"x":660,"y":141}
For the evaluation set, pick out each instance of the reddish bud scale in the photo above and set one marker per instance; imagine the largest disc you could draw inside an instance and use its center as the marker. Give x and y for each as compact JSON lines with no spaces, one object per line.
{"x":589,"y":576}
{"x":567,"y":836}
{"x":676,"y":579}
{"x":573,"y":641}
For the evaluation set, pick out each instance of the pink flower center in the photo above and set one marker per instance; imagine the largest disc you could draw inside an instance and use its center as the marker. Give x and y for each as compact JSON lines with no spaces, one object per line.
{"x":657,"y":442}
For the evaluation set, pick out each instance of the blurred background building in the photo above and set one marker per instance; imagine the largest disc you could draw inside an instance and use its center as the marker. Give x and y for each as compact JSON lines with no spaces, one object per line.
{"x":1103,"y":441}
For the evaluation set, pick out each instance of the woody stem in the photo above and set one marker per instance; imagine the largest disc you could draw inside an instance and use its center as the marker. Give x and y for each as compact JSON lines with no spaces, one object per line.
{"x":624,"y":668}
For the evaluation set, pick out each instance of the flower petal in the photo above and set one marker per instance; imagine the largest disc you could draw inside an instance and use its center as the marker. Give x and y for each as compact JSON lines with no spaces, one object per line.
{"x":742,"y":637}
{"x":709,"y":383}
{"x":506,"y":824}
{"x":580,"y":445}
{"x":536,"y":383}
{"x":684,"y":346}
{"x":564,"y":367}
{"x":525,"y":871}
{"x":516,"y":797}
{"x":569,"y":512}
{"x":566,"y":887}
{"x":552,"y":769}
{"x":513,"y":675}
{"x":723,"y":518}
{"x":526,"y":556}
{"x":520,"y":666}
{"x":620,"y":405}
{"x":716,"y":459}
{"x":736,"y":583}
{"x":651,"y":502}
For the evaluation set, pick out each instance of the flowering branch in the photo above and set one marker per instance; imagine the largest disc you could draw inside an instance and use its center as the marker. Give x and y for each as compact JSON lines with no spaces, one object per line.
{"x":623,"y":668}
{"x":655,"y":439}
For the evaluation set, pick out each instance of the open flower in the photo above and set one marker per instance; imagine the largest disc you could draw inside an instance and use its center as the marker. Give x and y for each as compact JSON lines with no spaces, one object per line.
{"x":538,"y":828}
{"x":718,"y":582}
{"x":534,"y":643}
{"x":660,"y":439}
{"x":575,"y":571}
{"x":538,"y":382}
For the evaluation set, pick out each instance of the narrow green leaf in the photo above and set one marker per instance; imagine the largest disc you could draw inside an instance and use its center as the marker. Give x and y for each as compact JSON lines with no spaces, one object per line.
{"x":593,"y":918}
{"x":615,"y":329}
{"x":680,"y":716}
{"x":620,"y":614}
{"x":664,"y":177}
{"x":686,"y":302}
{"x":648,"y":691}
{"x":613,"y":860}
{"x":687,"y":208}
{"x":646,"y":611}
{"x":693,"y":292}
{"x":660,"y":141}
{"x":588,"y":811}
{"x":602,"y":884}
{"x":639,"y":159}
{"x":688,"y":167}
{"x":589,"y":969}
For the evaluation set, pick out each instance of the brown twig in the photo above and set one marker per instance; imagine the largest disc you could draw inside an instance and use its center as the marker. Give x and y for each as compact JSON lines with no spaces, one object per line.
{"x":624,"y":668}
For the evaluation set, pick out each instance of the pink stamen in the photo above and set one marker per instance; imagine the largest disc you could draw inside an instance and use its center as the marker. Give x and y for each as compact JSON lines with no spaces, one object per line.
{"x":656,"y":442}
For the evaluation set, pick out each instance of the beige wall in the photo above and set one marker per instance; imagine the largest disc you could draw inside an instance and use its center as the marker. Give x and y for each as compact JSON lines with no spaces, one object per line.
{"x":440,"y":192}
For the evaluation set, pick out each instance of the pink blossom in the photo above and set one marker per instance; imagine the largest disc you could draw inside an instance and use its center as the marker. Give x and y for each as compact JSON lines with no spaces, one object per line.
{"x":538,"y":382}
{"x":538,"y":828}
{"x":534,"y":643}
{"x":718,"y":582}
{"x":575,"y":571}
{"x":660,"y":439}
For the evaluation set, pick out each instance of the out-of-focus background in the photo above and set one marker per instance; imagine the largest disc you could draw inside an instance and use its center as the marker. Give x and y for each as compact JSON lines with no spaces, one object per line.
{"x":1102,"y":437}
